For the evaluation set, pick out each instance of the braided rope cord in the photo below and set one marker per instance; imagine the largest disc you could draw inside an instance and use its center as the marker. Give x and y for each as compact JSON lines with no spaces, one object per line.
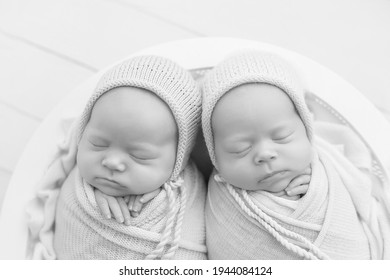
{"x":169,"y":224}
{"x":179,"y":222}
{"x":273,"y":227}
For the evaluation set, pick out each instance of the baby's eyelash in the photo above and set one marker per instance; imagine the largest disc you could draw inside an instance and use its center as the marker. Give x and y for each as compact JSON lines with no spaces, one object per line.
{"x":138,"y":158}
{"x":284,"y":137}
{"x":242,"y":151}
{"x":141,"y":158}
{"x":98,"y":145}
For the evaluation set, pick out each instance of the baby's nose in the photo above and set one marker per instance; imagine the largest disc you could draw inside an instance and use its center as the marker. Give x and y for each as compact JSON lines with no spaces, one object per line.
{"x":265,"y":154}
{"x":114,"y":163}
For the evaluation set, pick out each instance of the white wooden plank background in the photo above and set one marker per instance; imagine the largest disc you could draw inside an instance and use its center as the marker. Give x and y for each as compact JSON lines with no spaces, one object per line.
{"x":47,"y":47}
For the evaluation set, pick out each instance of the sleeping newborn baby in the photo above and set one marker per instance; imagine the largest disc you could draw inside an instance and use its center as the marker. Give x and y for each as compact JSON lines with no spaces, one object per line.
{"x":134,"y":137}
{"x":259,"y":134}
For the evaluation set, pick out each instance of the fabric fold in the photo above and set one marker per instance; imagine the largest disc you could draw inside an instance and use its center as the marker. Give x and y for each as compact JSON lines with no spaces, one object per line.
{"x":113,"y":240}
{"x":338,"y":219}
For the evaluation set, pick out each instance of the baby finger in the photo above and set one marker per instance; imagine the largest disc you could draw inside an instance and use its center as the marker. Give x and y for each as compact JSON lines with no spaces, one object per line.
{"x":300,"y":180}
{"x":125,"y":210}
{"x":299,"y":190}
{"x":115,"y":209}
{"x":102,"y":203}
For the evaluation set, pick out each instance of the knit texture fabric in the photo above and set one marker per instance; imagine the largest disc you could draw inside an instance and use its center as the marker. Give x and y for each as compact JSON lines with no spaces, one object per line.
{"x":250,"y":67}
{"x":78,"y":220}
{"x":323,"y":224}
{"x":338,"y":218}
{"x":170,"y":82}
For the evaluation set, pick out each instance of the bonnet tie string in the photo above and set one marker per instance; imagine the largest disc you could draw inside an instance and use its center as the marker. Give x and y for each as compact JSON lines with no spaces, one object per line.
{"x":272,"y":226}
{"x":170,"y":223}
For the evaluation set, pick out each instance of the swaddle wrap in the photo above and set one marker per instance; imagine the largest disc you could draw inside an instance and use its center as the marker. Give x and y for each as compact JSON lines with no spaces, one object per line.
{"x":337,"y":218}
{"x":83,"y":233}
{"x":57,"y":190}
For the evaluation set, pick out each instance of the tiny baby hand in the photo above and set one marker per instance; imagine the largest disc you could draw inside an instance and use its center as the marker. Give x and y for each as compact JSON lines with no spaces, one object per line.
{"x":115,"y":205}
{"x":136,"y":202}
{"x":300,"y":184}
{"x":284,"y":195}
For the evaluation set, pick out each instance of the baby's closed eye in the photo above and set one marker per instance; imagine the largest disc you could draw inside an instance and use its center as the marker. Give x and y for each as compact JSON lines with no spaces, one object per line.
{"x":143,"y":156}
{"x":98,"y":144}
{"x":283,"y":136}
{"x":239,"y":150}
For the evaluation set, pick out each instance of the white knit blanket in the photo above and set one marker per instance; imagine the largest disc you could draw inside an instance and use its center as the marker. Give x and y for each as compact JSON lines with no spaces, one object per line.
{"x":81,"y":232}
{"x":338,"y":218}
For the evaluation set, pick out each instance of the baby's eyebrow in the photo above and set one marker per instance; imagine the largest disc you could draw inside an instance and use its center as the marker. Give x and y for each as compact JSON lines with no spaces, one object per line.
{"x":143,"y":147}
{"x":236,"y":139}
{"x":283,"y":126}
{"x":93,"y":131}
{"x":96,"y":136}
{"x":281,"y":129}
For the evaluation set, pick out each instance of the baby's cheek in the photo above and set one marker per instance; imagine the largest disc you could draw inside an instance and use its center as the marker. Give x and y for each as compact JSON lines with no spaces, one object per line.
{"x":86,"y":163}
{"x":300,"y":156}
{"x":307,"y":156}
{"x":225,"y":167}
{"x":150,"y":177}
{"x":234,"y":173}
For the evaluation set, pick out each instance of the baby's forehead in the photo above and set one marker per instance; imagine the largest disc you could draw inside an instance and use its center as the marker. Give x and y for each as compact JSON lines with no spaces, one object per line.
{"x":255,"y":90}
{"x":131,"y":99}
{"x":255,"y":104}
{"x":254,"y":96}
{"x":128,"y":94}
{"x":131,"y":104}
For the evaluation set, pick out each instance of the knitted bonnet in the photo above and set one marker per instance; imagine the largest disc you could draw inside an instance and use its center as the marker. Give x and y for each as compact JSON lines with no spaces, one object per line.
{"x":175,"y":86}
{"x":170,"y":82}
{"x":250,"y":67}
